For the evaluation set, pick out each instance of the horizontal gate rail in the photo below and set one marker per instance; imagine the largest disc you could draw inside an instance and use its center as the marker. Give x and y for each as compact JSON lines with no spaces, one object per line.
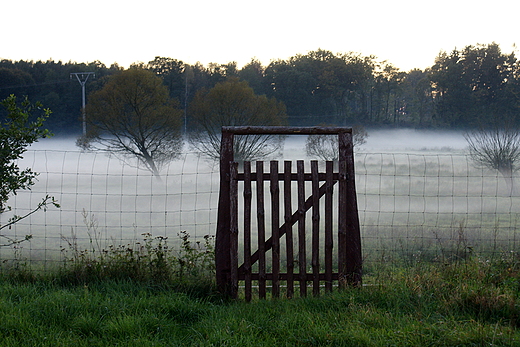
{"x":292,"y":176}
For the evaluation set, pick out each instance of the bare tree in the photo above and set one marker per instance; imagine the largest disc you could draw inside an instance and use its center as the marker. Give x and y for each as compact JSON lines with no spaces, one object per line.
{"x":497,"y":149}
{"x":325,"y":147}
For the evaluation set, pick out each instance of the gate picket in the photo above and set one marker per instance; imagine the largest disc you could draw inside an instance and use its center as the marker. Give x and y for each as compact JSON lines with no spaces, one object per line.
{"x":302,"y":259}
{"x":329,"y":243}
{"x":260,"y":212}
{"x":287,"y":193}
{"x":233,"y":249}
{"x":247,"y":231}
{"x":315,"y":262}
{"x":275,"y":231}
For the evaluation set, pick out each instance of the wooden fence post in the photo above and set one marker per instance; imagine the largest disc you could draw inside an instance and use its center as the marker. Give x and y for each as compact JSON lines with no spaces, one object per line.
{"x":222,"y":241}
{"x":349,"y":234}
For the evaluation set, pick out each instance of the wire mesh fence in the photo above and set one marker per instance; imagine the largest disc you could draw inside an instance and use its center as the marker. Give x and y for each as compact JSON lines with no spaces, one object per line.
{"x":412,"y":206}
{"x":416,"y":207}
{"x":107,"y":202}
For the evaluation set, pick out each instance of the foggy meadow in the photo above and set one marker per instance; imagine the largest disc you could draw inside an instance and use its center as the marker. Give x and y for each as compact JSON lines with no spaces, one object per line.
{"x":419,"y":197}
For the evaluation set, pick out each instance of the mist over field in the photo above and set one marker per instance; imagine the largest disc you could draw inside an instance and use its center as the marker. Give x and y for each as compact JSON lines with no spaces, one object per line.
{"x":393,"y":141}
{"x":402,"y":140}
{"x":416,"y":189}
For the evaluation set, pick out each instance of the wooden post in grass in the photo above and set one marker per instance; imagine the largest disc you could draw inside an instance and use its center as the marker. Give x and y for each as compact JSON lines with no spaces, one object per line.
{"x":349,"y":235}
{"x":223,"y":240}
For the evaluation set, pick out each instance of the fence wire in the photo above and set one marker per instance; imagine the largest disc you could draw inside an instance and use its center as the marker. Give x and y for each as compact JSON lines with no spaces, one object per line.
{"x":412,"y":206}
{"x":417,"y":207}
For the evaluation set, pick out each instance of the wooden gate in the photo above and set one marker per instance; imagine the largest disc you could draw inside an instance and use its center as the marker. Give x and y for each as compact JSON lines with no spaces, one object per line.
{"x":348,"y":250}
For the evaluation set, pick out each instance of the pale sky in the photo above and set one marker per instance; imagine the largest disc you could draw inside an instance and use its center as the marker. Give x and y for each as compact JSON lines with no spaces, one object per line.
{"x":406,"y":33}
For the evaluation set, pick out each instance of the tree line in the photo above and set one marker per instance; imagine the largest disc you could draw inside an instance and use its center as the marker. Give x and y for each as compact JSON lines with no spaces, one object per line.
{"x":476,"y":86}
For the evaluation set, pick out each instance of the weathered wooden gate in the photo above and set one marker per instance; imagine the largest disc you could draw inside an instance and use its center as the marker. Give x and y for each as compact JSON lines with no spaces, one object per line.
{"x":349,"y":263}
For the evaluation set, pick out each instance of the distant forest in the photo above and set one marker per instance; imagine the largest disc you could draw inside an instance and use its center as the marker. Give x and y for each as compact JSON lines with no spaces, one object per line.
{"x":472,"y":87}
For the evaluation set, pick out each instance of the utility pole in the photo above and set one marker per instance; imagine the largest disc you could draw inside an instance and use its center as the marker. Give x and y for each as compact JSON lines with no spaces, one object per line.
{"x":82,"y":79}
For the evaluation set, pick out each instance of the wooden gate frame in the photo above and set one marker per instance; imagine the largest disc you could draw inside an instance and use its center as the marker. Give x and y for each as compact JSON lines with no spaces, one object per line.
{"x":349,"y":236}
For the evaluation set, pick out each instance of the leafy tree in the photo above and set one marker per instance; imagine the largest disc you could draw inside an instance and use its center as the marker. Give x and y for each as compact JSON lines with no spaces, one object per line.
{"x":497,"y":149}
{"x":345,"y":79}
{"x":253,"y":74}
{"x":294,"y":88}
{"x":14,"y":77}
{"x":386,"y":101}
{"x":18,"y":131}
{"x":234,"y":103}
{"x":171,"y":71}
{"x":417,"y":98}
{"x":218,"y":73}
{"x":322,"y":86}
{"x":474,"y":85}
{"x":132,"y":116}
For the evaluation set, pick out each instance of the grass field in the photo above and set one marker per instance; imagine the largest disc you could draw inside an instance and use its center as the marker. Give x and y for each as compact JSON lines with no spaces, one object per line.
{"x":465,"y":303}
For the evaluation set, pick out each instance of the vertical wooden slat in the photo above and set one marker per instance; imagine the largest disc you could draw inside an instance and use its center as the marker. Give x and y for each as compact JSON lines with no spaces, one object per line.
{"x":315,"y":259}
{"x":222,"y":256}
{"x":350,"y":265}
{"x":247,"y":231}
{"x":329,"y":243}
{"x":302,"y":256}
{"x":233,"y":240}
{"x":275,"y":225}
{"x":342,"y":213}
{"x":260,"y":213}
{"x":287,"y":192}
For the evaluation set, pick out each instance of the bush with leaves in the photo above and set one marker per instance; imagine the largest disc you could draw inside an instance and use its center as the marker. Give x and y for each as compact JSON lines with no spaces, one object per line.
{"x":19,"y":129}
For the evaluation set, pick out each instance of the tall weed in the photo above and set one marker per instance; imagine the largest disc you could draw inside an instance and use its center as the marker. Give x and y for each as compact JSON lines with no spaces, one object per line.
{"x":149,"y":260}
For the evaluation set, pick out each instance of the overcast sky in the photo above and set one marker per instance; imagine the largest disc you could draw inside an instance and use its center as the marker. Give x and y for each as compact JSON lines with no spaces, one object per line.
{"x":407,"y":33}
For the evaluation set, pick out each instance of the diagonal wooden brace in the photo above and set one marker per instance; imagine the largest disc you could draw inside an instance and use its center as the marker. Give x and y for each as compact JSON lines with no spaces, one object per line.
{"x":283,"y":228}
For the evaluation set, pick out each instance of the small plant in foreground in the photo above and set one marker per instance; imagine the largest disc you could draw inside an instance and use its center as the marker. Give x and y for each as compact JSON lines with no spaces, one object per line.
{"x":149,"y":260}
{"x":195,"y":260}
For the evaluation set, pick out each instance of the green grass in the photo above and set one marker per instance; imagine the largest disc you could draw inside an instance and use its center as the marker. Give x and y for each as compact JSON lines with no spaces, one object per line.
{"x":466,"y":303}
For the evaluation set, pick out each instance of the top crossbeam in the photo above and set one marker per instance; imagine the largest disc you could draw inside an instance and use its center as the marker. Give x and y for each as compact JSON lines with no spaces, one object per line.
{"x":283,"y":130}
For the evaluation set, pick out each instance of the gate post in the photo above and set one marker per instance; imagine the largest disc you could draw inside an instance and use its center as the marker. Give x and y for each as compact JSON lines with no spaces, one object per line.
{"x":349,"y":233}
{"x":223,"y":239}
